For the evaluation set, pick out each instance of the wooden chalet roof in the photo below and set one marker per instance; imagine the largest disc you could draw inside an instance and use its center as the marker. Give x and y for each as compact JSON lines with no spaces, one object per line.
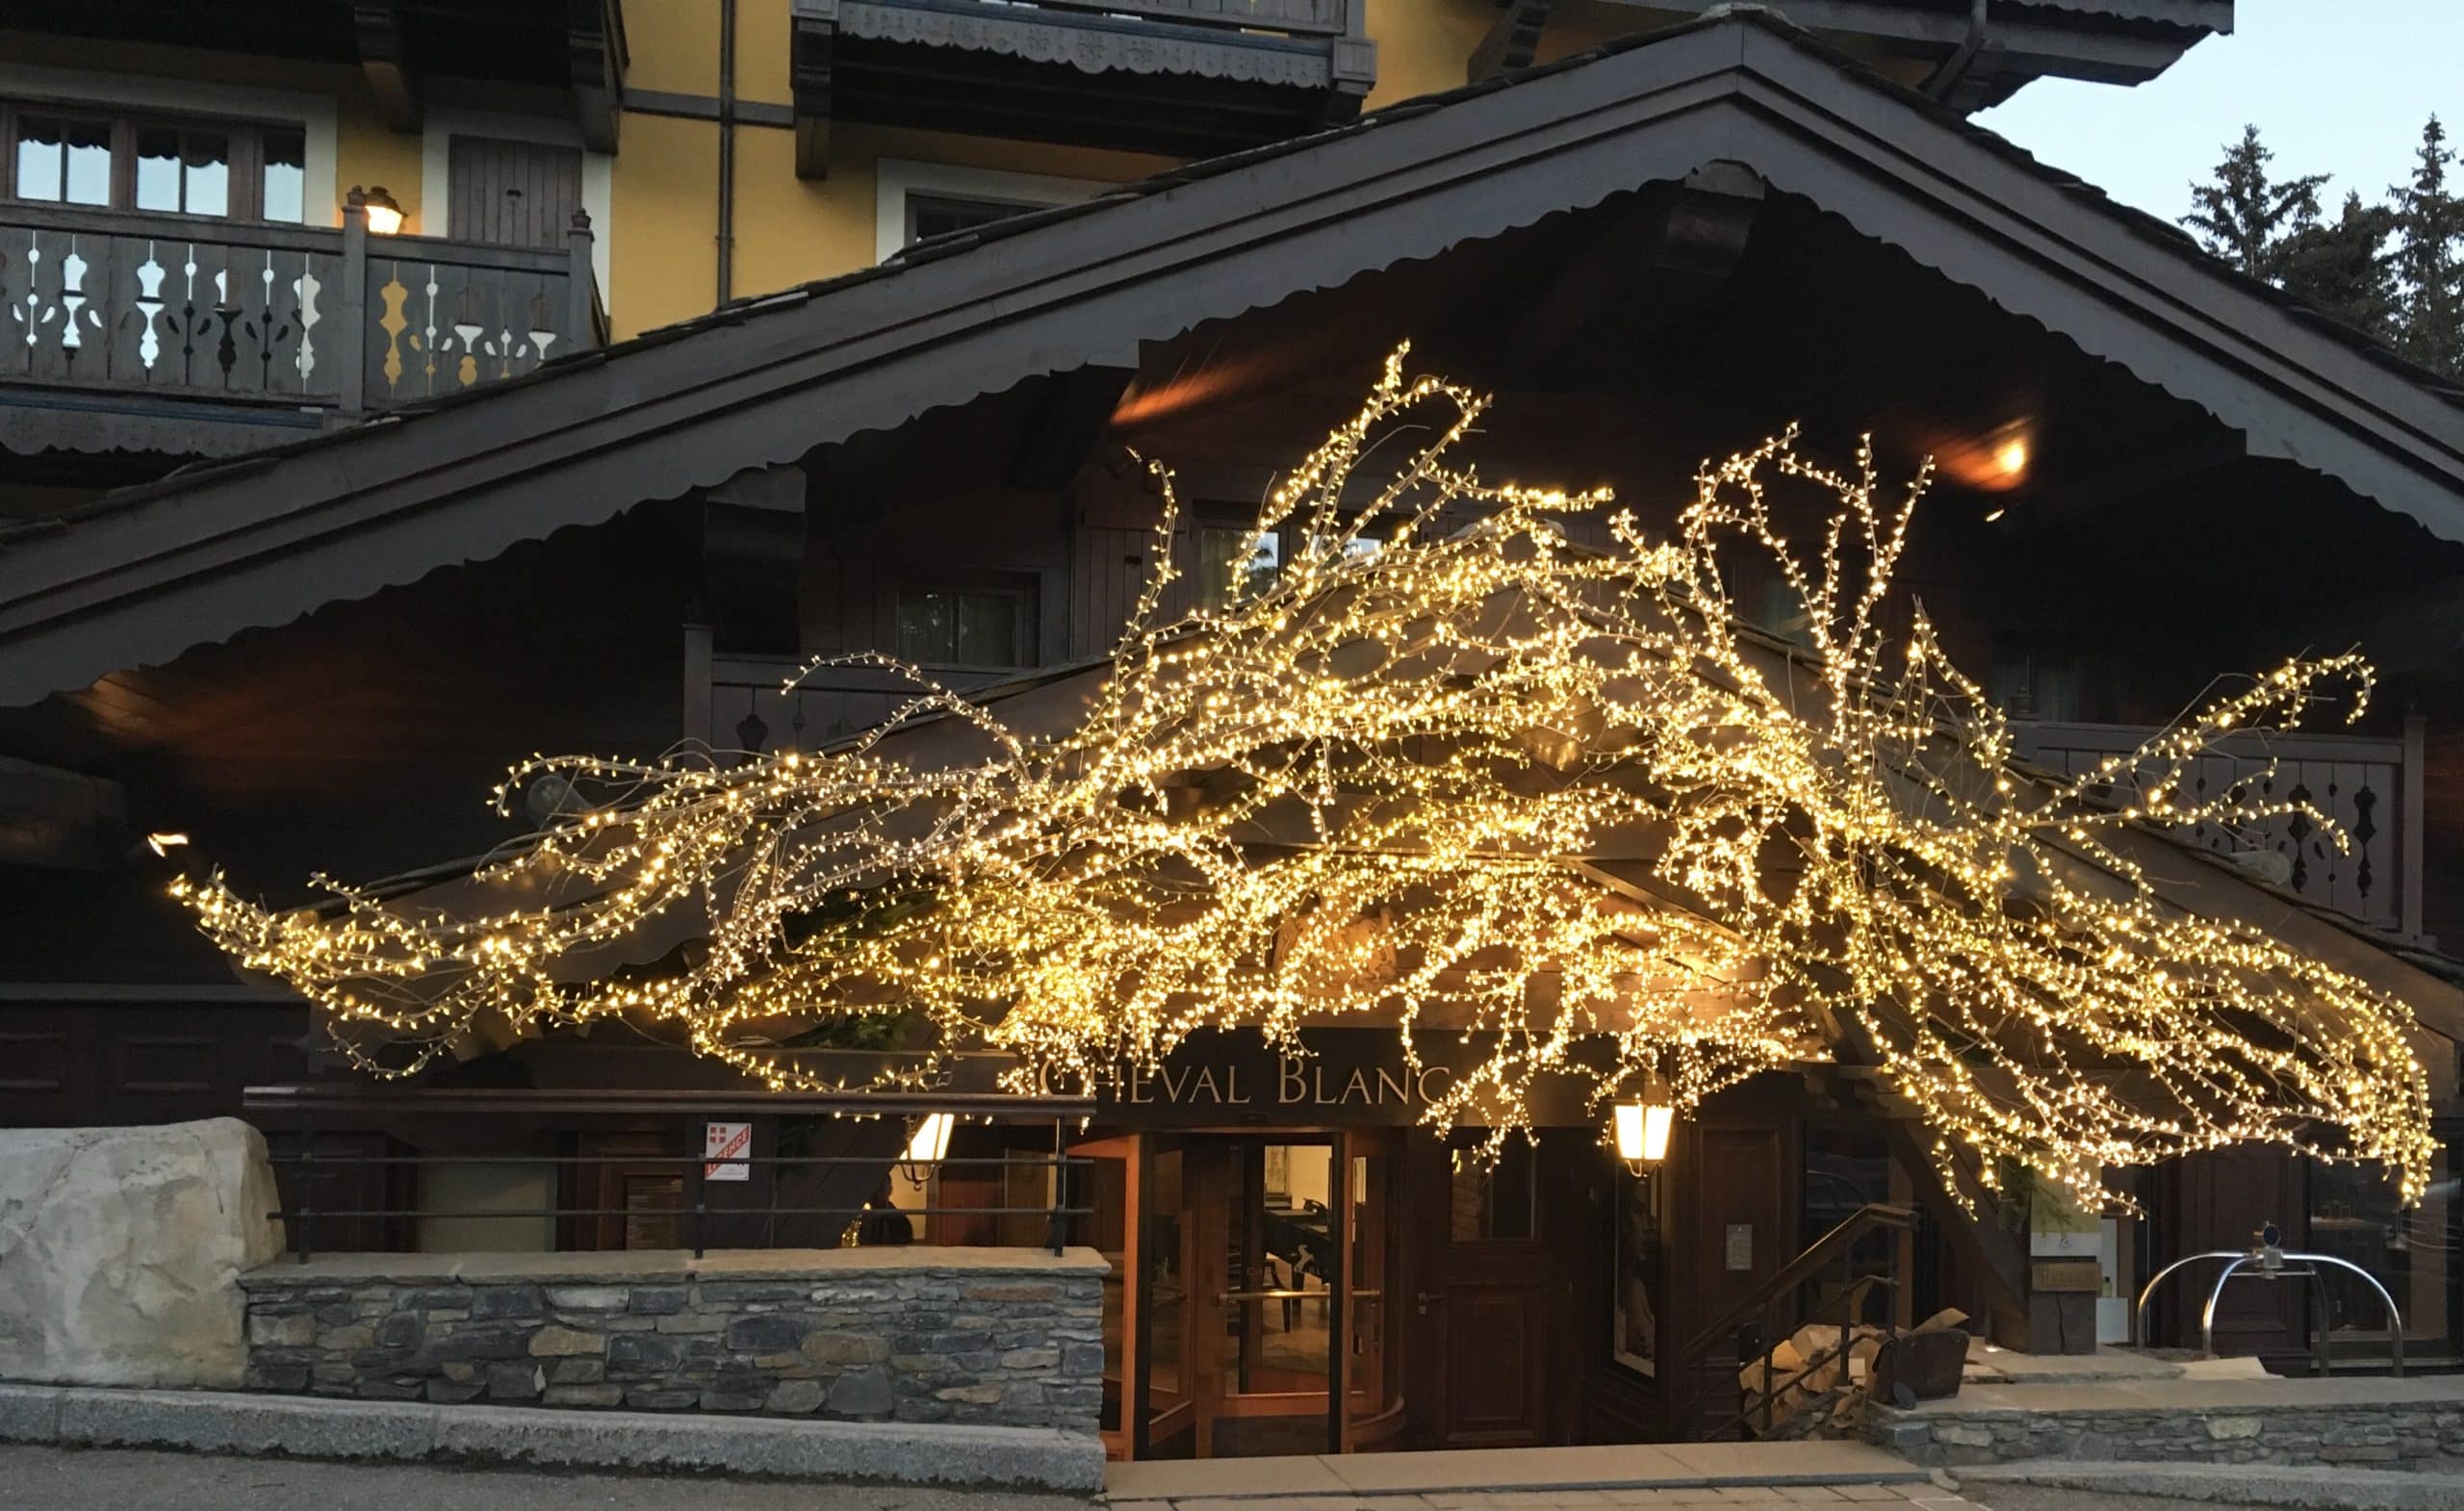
{"x":139,"y":577}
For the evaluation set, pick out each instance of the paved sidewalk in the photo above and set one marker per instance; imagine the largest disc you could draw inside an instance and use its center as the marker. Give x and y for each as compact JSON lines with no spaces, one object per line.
{"x":124,"y":1479}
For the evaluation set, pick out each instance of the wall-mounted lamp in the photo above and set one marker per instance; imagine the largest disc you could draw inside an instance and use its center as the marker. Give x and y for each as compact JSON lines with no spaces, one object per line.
{"x":1642,"y":1133}
{"x":383,"y":211}
{"x":927,"y":1142}
{"x":164,"y":841}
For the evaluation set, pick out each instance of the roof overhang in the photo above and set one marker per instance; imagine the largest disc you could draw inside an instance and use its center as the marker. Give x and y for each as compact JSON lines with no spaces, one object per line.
{"x":144,"y":575}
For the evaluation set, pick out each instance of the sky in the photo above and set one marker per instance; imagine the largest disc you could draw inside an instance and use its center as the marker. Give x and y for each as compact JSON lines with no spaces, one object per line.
{"x":2337,"y":87}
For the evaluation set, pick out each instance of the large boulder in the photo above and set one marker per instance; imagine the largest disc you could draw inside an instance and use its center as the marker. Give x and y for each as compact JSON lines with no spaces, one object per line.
{"x":120,"y":1248}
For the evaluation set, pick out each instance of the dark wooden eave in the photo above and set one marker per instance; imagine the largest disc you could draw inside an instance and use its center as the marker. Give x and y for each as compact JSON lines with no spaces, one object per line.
{"x":595,"y":50}
{"x":1185,"y":78}
{"x":141,"y":577}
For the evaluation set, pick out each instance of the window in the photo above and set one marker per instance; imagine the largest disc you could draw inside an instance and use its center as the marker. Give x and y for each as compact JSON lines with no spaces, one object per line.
{"x":1233,"y":565}
{"x":915,"y":200}
{"x":1636,"y":1304}
{"x":941,"y":214}
{"x":1492,"y":1201}
{"x":222,"y":170}
{"x":961,"y":626}
{"x":64,"y":158}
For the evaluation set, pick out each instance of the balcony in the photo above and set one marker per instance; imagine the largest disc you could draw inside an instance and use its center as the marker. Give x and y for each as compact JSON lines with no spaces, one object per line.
{"x":736,"y":702}
{"x":2371,"y":788}
{"x":1188,"y":78}
{"x":183,"y":336}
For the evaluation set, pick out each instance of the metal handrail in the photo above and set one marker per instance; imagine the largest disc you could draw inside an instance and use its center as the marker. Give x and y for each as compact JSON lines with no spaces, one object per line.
{"x":1867,"y":1219}
{"x":2273,"y":1271}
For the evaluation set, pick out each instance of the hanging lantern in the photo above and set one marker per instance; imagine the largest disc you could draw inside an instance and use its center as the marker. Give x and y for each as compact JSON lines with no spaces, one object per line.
{"x":1642,"y":1131}
{"x":927,"y":1142}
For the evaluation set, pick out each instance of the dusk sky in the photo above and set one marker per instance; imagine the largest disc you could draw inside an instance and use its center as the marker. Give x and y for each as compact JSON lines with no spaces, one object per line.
{"x":2338,"y":87}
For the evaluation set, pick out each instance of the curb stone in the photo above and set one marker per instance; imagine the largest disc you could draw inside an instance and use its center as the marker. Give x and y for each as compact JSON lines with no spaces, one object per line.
{"x":216,"y":1422}
{"x":2294,"y":1487}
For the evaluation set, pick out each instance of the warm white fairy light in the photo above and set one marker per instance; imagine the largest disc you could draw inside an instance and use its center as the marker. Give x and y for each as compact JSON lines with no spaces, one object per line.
{"x":1402,"y":785}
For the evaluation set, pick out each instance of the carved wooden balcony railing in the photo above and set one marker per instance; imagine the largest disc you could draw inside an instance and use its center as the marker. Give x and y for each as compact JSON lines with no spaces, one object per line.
{"x":1186,"y":77}
{"x":122,"y":330}
{"x":736,"y":702}
{"x":2371,"y":787}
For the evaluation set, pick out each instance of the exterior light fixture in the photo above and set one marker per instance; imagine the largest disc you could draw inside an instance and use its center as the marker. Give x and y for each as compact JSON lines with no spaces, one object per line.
{"x":928,"y":1143}
{"x":383,"y":211}
{"x":164,"y":841}
{"x":1642,"y":1133}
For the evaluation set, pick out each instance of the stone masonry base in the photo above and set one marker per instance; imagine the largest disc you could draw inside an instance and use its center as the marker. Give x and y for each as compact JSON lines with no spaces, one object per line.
{"x":982,"y":1336}
{"x":2415,"y":1424}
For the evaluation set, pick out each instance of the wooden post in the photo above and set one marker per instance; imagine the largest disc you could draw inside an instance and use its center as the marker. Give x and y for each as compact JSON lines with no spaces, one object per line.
{"x":2416,"y":779}
{"x":696,"y":701}
{"x":351,"y":315}
{"x":581,"y":289}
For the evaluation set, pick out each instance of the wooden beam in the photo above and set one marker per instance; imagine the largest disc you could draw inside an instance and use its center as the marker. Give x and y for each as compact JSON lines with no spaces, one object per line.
{"x":813,"y":50}
{"x":377,"y":26}
{"x":596,"y":55}
{"x":59,"y":819}
{"x":1063,"y":425}
{"x":1513,"y":39}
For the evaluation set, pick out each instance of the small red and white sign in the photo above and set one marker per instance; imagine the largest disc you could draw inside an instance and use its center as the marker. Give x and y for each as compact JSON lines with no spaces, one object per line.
{"x":724,"y":1146}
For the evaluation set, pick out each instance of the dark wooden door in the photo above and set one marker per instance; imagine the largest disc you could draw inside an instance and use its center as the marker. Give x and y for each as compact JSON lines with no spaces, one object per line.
{"x":2216,"y":1201}
{"x":1740,"y":1198}
{"x":512,"y":193}
{"x":1481,"y":1301}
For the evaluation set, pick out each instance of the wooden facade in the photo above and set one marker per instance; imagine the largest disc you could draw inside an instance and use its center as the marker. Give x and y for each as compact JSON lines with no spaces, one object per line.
{"x":320,"y":657}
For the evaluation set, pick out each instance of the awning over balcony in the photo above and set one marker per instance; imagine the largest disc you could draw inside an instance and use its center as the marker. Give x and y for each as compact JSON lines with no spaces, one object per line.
{"x":1191,"y":78}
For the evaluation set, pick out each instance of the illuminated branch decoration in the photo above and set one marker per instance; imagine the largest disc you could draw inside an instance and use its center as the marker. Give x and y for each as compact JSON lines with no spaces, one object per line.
{"x":1441,"y":768}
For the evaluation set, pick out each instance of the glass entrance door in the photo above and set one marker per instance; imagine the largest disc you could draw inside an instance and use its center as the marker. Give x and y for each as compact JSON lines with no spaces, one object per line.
{"x":1277,"y":1310}
{"x":1251,"y":1313}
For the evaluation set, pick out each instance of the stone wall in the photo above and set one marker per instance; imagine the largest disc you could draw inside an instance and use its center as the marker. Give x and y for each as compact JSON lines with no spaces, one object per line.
{"x":119,"y":1248}
{"x":1001,"y":1337}
{"x":2406,"y":1424}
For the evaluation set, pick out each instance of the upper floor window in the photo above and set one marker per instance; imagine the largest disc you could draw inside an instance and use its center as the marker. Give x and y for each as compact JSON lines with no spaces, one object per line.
{"x":961,"y":626}
{"x":61,"y":155}
{"x":918,"y":200}
{"x":941,"y":214}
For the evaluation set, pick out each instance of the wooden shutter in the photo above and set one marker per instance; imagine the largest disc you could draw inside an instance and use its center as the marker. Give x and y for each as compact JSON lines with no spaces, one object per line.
{"x":512,"y":193}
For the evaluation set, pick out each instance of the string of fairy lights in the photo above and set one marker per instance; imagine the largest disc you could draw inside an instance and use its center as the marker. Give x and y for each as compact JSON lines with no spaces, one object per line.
{"x":1447,"y":771}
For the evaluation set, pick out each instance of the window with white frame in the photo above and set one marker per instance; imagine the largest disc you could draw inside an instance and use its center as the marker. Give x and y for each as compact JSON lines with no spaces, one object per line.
{"x":918,"y":200}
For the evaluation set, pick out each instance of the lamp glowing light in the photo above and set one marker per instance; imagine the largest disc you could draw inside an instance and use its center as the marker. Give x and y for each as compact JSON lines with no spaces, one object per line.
{"x":383,"y":211}
{"x":1642,"y":1132}
{"x":164,"y":841}
{"x":928,"y":1144}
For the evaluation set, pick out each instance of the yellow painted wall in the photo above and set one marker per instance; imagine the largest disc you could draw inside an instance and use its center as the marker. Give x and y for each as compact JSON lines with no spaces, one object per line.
{"x":368,"y":154}
{"x":662,"y":255}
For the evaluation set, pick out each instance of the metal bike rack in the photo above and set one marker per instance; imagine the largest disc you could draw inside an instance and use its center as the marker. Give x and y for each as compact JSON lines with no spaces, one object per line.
{"x":2273,"y":1264}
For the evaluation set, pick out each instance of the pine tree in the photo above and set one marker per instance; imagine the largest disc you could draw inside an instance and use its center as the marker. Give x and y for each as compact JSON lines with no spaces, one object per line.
{"x":2429,"y":259}
{"x":2245,"y":218}
{"x":2344,"y":267}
